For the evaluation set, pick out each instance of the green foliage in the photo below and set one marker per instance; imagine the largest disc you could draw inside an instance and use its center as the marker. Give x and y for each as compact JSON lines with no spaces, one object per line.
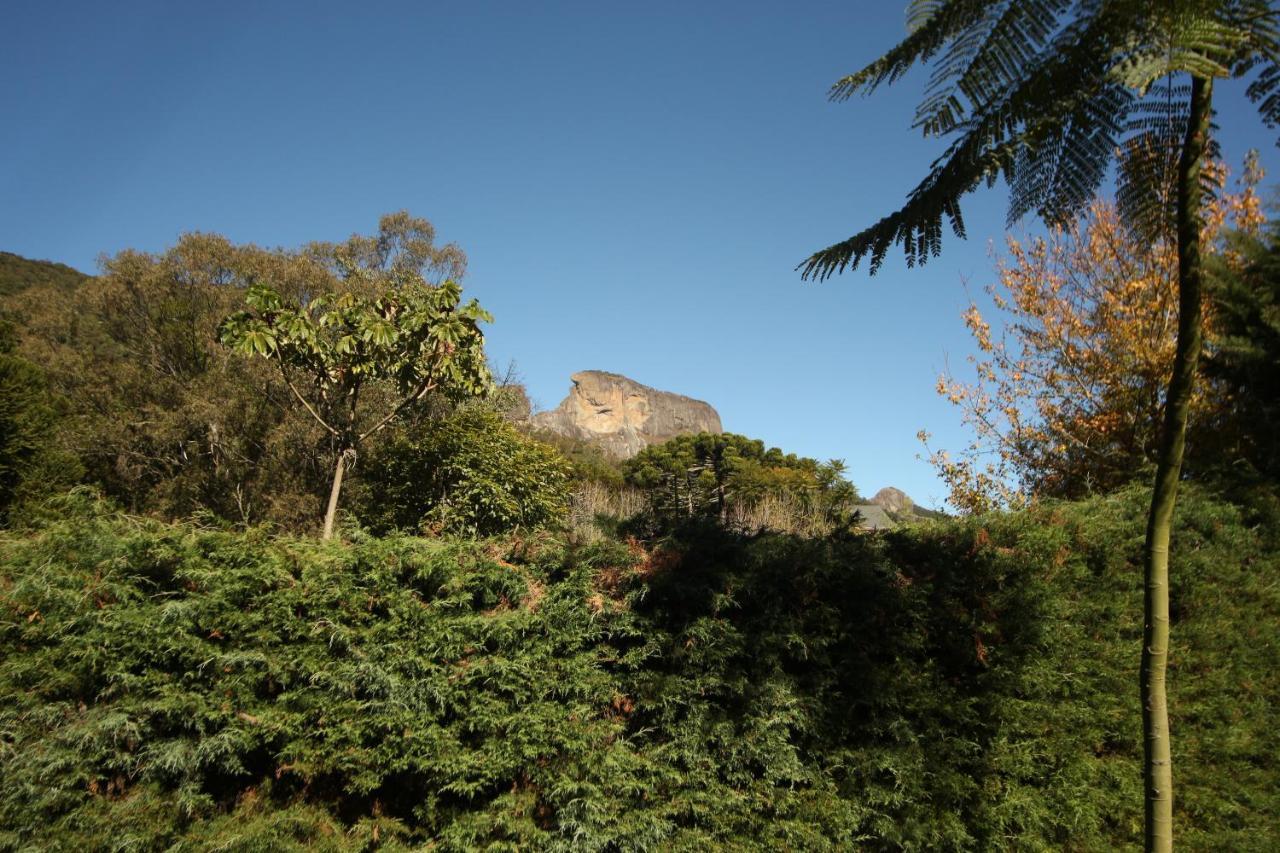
{"x":172,"y":686}
{"x":408,"y":336}
{"x":31,"y":466}
{"x":1042,"y":93}
{"x":18,"y":274}
{"x":1244,"y":359}
{"x":721,"y":474}
{"x":589,"y":462}
{"x":164,"y":419}
{"x":471,"y":473}
{"x":412,"y":335}
{"x":957,"y":686}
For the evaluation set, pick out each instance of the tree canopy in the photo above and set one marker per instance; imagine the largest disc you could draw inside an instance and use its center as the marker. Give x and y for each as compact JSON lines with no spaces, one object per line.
{"x":409,"y":337}
{"x":1066,"y":395}
{"x":725,"y":476}
{"x":1042,"y":94}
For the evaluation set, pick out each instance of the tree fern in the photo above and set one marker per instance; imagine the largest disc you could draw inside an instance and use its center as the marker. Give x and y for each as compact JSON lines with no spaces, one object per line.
{"x":1146,"y":179}
{"x":1043,"y":93}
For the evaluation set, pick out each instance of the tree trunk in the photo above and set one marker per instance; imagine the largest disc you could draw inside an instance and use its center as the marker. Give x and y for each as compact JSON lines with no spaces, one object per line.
{"x":1157,"y":753}
{"x":332,"y":513}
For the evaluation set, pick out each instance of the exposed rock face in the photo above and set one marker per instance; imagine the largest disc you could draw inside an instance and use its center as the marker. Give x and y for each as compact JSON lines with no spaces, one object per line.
{"x":893,"y":500}
{"x":887,"y":505}
{"x":622,"y":416}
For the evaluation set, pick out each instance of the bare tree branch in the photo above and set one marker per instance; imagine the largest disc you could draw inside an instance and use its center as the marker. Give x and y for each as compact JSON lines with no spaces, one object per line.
{"x":305,"y":404}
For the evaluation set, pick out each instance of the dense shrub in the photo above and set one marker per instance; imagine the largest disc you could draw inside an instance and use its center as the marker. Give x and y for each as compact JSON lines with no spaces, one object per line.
{"x":725,"y":476}
{"x":1244,"y":362}
{"x":956,"y":686}
{"x":31,"y":465}
{"x":470,"y":473}
{"x":968,"y":685}
{"x":167,"y":685}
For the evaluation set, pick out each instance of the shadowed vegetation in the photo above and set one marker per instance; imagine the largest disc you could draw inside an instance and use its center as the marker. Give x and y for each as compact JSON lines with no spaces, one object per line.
{"x":949,"y":687}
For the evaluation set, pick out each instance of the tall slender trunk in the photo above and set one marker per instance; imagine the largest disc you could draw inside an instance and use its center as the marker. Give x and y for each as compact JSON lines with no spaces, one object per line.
{"x":332,"y":512}
{"x":1157,"y":753}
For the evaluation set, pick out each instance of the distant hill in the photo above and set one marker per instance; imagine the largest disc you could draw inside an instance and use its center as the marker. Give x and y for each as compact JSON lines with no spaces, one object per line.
{"x":18,"y":274}
{"x":892,"y":506}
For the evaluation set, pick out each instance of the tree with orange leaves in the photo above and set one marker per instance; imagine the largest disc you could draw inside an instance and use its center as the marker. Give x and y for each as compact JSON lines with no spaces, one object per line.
{"x":1068,"y":399}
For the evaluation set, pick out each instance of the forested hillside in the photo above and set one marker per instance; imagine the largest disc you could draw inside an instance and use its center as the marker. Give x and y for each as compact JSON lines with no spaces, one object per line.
{"x":18,"y":273}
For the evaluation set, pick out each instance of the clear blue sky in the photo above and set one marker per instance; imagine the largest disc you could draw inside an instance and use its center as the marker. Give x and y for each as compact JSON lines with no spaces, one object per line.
{"x":633,"y":184}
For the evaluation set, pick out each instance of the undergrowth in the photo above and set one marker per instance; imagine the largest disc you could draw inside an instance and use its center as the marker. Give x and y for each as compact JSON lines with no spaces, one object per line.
{"x":962,"y":685}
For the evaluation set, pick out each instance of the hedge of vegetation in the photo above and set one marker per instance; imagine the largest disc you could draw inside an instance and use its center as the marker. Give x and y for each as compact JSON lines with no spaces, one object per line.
{"x":959,"y":686}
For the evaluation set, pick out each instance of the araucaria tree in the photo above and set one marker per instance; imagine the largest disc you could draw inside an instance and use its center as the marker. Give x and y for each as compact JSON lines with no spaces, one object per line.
{"x":340,"y":353}
{"x":1043,"y":93}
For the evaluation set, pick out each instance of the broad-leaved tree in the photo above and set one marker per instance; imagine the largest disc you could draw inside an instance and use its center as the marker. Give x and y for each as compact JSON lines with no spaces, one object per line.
{"x":335,"y":351}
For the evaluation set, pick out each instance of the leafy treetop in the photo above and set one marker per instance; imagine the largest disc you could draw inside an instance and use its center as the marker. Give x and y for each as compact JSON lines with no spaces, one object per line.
{"x":714,"y":473}
{"x":1043,"y":93}
{"x":400,"y":333}
{"x":416,"y":337}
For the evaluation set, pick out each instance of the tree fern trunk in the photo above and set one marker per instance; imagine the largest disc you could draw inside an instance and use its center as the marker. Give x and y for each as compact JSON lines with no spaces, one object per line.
{"x":1158,"y":769}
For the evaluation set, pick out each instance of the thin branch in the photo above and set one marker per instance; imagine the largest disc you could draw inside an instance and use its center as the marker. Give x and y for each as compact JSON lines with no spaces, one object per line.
{"x":305,"y":404}
{"x":428,"y":385}
{"x":404,"y":404}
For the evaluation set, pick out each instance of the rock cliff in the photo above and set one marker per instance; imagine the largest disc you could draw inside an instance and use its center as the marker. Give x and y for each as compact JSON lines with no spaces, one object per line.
{"x":893,"y":500}
{"x":622,"y":416}
{"x":899,"y":506}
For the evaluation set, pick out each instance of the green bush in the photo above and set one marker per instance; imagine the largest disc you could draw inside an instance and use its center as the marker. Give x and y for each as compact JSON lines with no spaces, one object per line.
{"x":725,"y":476}
{"x":962,"y":685}
{"x":31,"y":466}
{"x":967,"y":685}
{"x":470,"y":473}
{"x":165,"y":685}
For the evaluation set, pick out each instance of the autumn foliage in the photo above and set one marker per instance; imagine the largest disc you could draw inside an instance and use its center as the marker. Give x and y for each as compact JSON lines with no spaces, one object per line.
{"x":1067,"y":399}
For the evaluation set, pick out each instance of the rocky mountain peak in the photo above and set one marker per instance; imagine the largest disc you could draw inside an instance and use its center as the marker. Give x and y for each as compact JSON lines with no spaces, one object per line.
{"x":893,"y":500}
{"x":622,"y":416}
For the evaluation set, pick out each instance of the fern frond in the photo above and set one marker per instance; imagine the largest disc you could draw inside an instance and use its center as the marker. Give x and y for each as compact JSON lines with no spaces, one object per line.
{"x":1262,"y":22}
{"x":920,"y":12}
{"x":1205,"y":56}
{"x":1065,"y":155}
{"x":1146,"y":182}
{"x":1265,"y":92}
{"x":938,"y":24}
{"x":991,"y":140}
{"x":990,"y":56}
{"x":1042,"y":93}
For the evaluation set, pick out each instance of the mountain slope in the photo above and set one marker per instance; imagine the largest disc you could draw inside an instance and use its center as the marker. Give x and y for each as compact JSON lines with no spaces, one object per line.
{"x":18,"y":274}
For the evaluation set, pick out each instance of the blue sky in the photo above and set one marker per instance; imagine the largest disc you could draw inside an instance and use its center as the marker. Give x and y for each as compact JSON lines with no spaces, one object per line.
{"x":633,"y":184}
